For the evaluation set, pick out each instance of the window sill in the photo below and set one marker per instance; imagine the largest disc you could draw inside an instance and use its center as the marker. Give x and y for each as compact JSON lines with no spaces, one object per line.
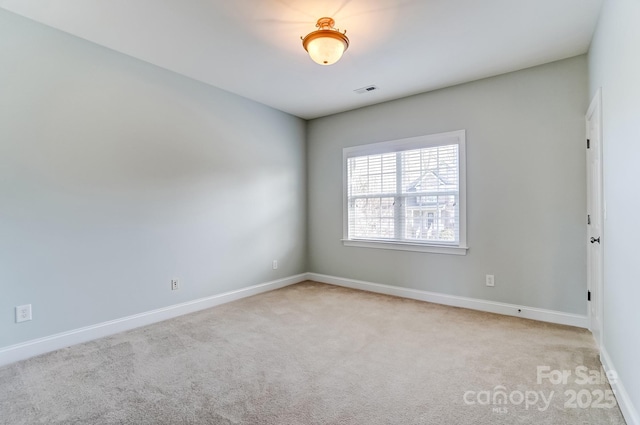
{"x":405,"y":246}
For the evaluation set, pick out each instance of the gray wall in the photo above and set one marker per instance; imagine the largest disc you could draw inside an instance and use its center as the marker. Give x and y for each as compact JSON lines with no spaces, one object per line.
{"x":614,"y":65}
{"x":525,"y":184}
{"x":117,"y":176}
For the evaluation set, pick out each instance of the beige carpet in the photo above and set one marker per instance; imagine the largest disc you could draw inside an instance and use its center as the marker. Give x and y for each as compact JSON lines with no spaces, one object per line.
{"x":317,"y":354}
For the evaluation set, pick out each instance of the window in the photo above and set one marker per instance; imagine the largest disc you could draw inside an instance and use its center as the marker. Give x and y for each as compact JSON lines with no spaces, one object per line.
{"x":407,"y":194}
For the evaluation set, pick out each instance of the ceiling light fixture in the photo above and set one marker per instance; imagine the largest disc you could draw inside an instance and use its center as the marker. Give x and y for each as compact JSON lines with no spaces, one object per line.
{"x":326,"y":44}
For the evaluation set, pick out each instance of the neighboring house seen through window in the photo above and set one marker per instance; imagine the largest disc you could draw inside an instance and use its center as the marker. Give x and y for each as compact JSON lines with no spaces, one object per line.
{"x":407,"y":194}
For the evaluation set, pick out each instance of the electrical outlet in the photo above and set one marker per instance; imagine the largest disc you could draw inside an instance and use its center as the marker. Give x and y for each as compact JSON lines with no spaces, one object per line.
{"x":275,"y":265}
{"x":490,"y":280}
{"x":174,"y":284}
{"x":23,"y":313}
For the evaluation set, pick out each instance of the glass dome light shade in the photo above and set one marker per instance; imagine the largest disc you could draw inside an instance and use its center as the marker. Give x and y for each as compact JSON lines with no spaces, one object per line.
{"x":326,"y":45}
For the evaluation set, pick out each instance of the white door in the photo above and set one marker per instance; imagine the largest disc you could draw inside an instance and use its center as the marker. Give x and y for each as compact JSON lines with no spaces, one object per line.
{"x":595,"y":217}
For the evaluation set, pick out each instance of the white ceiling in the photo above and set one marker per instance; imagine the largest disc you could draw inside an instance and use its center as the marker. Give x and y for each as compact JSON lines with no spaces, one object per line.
{"x":253,"y":47}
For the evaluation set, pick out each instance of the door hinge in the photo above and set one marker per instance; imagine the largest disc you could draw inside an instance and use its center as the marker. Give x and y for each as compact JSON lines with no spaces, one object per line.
{"x":588,"y":144}
{"x":588,"y":219}
{"x":588,"y":295}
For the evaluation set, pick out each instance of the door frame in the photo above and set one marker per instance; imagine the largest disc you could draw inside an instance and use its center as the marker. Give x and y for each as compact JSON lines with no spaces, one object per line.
{"x":595,"y":284}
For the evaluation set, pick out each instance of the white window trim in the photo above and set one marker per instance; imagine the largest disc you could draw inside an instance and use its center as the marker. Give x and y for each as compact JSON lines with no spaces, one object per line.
{"x":458,"y":137}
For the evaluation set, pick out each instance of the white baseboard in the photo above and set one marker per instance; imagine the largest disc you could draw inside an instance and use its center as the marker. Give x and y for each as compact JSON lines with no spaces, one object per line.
{"x":14,"y":353}
{"x":21,"y":351}
{"x":622,"y":397}
{"x":455,"y":301}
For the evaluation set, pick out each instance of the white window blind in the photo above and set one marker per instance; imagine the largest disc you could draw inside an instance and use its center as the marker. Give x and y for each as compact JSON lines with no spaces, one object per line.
{"x":408,"y":192}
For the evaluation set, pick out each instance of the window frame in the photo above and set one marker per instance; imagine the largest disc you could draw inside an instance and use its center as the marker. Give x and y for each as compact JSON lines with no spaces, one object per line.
{"x":431,"y":140}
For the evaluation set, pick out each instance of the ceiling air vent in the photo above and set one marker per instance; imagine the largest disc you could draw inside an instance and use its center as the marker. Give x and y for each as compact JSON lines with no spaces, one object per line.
{"x":366,"y":89}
